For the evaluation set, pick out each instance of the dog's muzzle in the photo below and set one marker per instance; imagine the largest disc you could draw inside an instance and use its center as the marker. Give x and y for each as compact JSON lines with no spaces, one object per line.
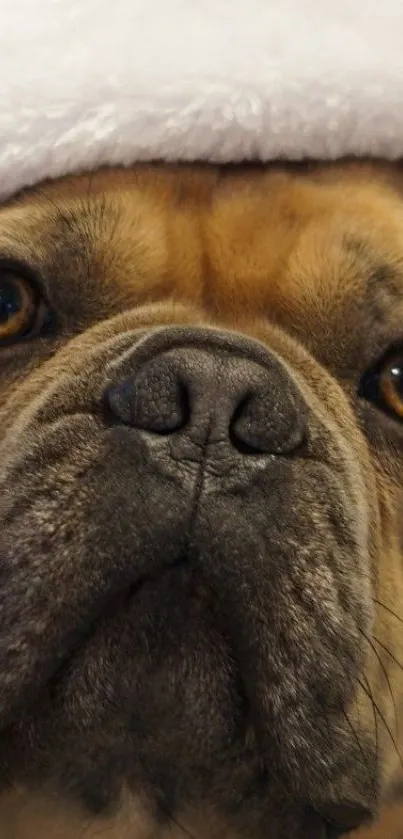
{"x":200,"y":516}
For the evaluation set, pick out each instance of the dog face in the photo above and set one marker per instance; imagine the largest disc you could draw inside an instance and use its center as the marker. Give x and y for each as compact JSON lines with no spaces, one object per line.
{"x":201,"y":430}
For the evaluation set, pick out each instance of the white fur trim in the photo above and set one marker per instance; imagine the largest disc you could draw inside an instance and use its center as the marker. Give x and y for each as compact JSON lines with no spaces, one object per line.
{"x":113,"y":81}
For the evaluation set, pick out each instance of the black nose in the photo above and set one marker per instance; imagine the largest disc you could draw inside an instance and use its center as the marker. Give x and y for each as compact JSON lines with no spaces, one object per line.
{"x":214,"y":387}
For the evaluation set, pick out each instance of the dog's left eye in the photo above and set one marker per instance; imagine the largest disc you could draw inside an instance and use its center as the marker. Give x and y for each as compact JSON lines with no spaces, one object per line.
{"x":22,"y":310}
{"x":383,"y":386}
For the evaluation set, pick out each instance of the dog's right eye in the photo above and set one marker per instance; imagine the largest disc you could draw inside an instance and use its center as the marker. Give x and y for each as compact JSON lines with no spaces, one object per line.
{"x":22,"y":308}
{"x":383,"y":386}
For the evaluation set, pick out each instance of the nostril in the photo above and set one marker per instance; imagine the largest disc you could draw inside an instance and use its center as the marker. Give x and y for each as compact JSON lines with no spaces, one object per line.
{"x":108,"y":410}
{"x":241,"y":434}
{"x":242,"y":446}
{"x":115,"y":403}
{"x":159,"y":406}
{"x":165,"y":410}
{"x":267,"y":423}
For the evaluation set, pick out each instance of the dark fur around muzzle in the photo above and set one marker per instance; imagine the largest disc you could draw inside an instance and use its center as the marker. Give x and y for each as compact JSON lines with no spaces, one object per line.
{"x":184,"y":576}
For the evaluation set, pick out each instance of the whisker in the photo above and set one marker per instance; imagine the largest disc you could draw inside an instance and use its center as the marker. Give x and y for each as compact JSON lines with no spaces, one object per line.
{"x":376,"y":731}
{"x":388,"y":651}
{"x":356,"y":738}
{"x":384,"y":721}
{"x":385,"y":673}
{"x":388,"y":609}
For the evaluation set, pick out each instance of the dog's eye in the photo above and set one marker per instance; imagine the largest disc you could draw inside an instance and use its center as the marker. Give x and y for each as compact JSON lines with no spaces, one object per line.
{"x":383,"y":386}
{"x":22,"y":310}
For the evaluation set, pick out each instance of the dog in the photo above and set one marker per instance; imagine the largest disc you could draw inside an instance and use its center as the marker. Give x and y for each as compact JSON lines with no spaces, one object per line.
{"x":201,"y":516}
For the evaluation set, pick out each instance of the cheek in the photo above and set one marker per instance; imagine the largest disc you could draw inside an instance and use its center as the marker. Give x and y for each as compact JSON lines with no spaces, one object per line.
{"x":27,"y":371}
{"x":22,"y":377}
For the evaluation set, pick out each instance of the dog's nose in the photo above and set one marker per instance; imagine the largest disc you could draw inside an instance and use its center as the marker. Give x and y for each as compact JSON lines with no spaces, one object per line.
{"x":213,"y":390}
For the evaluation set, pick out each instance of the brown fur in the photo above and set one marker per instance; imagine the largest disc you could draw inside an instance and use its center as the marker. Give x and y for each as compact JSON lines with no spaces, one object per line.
{"x":308,"y":261}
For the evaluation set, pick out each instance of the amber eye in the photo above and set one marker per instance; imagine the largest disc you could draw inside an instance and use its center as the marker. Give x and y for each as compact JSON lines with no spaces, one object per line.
{"x":391,"y":384}
{"x":21,"y":308}
{"x":383,"y":386}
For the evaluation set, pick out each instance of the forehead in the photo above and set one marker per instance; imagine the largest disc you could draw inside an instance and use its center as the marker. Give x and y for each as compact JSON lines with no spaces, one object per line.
{"x":290,"y":245}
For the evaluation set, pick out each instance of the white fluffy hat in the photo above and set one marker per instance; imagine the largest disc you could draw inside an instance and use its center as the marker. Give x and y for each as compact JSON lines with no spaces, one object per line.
{"x":113,"y":81}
